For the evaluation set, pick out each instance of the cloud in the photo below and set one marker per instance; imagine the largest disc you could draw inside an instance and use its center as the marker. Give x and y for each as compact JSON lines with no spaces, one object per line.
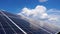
{"x":39,"y":12}
{"x":54,"y":14}
{"x":53,"y":11}
{"x":53,"y":18}
{"x":40,"y":16}
{"x":43,"y":0}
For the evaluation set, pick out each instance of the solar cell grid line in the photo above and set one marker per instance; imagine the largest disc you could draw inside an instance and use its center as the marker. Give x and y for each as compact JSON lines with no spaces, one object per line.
{"x":14,"y":23}
{"x":9,"y":25}
{"x":23,"y":25}
{"x":2,"y":28}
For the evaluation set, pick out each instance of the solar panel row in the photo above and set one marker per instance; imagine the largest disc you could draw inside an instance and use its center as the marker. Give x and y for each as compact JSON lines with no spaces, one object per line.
{"x":26,"y":26}
{"x":7,"y":27}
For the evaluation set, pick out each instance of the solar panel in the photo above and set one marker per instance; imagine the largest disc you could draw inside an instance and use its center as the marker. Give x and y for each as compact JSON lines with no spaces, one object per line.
{"x":8,"y":27}
{"x":19,"y":26}
{"x":26,"y":26}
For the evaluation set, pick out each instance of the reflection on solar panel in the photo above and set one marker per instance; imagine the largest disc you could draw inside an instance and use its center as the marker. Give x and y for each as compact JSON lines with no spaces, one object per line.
{"x":13,"y":24}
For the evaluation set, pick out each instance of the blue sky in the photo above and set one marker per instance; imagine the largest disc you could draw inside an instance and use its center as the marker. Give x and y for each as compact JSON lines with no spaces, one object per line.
{"x":14,"y":6}
{"x":44,"y":11}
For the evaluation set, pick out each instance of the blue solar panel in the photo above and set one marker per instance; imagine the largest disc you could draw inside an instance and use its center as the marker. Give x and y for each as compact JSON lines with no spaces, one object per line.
{"x":7,"y":27}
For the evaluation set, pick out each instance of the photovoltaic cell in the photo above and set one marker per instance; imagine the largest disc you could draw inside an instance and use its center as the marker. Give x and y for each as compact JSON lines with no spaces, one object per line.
{"x":26,"y":26}
{"x":2,"y":31}
{"x":7,"y":27}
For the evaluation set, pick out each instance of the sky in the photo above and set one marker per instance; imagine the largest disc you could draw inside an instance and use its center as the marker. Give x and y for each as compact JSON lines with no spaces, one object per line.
{"x":44,"y":11}
{"x":14,"y":6}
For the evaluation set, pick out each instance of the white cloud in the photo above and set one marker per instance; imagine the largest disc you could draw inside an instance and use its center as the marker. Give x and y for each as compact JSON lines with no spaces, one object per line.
{"x":53,"y":11}
{"x":53,"y":18}
{"x":43,"y":0}
{"x":39,"y":12}
{"x":54,"y":14}
{"x":45,"y":18}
